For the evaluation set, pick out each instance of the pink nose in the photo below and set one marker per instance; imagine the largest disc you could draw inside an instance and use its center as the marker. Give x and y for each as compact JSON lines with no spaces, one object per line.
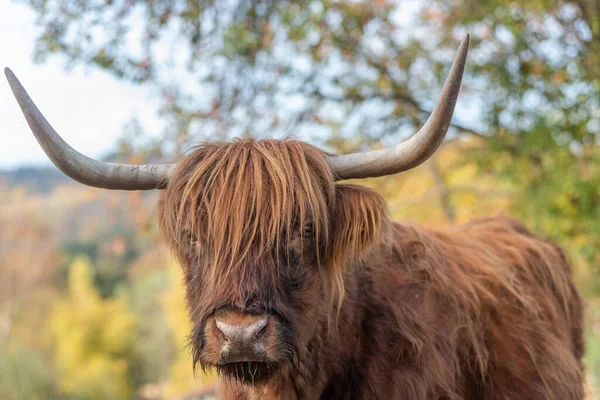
{"x":243,"y":338}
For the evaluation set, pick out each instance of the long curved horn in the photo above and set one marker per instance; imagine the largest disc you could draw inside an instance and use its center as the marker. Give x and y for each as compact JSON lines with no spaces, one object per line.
{"x":417,"y":148}
{"x":79,"y":167}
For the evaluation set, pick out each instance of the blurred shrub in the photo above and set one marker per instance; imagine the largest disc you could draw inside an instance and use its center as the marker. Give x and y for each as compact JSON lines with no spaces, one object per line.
{"x":93,"y":340}
{"x":24,"y":375}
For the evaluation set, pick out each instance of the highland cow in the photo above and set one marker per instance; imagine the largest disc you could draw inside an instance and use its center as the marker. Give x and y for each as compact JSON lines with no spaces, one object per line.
{"x":300,"y":287}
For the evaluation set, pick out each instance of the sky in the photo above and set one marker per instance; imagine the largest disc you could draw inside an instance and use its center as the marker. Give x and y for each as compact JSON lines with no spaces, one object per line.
{"x":87,"y":107}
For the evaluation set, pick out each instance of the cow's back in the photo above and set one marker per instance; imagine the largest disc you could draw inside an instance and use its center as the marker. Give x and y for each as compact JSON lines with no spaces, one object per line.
{"x":481,"y":310}
{"x":543,"y":355}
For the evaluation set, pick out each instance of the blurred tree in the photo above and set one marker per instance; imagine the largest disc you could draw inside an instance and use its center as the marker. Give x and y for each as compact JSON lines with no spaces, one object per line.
{"x":93,"y":340}
{"x":154,"y":347}
{"x":251,"y":67}
{"x":110,"y":231}
{"x":110,"y":254}
{"x":533,"y":77}
{"x":27,"y":259}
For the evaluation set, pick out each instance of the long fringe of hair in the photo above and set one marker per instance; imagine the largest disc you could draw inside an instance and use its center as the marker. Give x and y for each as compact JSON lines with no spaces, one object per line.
{"x":242,"y":201}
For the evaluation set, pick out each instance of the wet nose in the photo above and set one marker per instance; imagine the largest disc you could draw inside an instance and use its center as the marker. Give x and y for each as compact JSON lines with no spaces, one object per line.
{"x":243,"y":338}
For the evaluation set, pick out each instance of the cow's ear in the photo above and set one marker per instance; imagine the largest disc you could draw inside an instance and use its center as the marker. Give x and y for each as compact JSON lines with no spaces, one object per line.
{"x":359,"y":221}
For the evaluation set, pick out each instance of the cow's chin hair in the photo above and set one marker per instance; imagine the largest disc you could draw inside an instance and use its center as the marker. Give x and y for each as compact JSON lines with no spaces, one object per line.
{"x":249,"y":373}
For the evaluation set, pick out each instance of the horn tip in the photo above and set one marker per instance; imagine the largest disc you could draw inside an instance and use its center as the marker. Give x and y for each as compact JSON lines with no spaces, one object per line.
{"x":466,"y":40}
{"x":463,"y":48}
{"x":10,"y":76}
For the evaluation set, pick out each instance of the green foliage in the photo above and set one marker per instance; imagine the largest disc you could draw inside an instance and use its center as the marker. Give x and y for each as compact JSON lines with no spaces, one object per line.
{"x":592,"y":356}
{"x":24,"y":375}
{"x":109,"y":266}
{"x":540,"y":102}
{"x":93,"y":339}
{"x":265,"y":65}
{"x":154,"y":347}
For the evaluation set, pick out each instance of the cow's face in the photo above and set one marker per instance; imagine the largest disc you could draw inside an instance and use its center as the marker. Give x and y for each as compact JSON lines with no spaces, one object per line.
{"x":263,"y":233}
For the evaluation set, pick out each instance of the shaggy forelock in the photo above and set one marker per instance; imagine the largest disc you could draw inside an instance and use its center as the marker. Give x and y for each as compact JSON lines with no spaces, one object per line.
{"x":242,"y":201}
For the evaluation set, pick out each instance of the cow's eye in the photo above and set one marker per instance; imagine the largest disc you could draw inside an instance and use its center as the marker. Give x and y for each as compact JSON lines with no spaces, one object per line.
{"x":189,"y":239}
{"x":308,"y":230}
{"x":293,"y":283}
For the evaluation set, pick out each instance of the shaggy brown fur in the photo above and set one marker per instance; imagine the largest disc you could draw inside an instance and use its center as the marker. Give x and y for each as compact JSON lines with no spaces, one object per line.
{"x":365,"y":308}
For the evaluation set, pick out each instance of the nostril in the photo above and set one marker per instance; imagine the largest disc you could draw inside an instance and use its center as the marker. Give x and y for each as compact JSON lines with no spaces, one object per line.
{"x":258,"y":327}
{"x":222,"y":329}
{"x":225,"y":329}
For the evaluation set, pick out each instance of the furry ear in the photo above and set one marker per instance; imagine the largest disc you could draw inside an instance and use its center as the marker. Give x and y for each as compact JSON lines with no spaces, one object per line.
{"x":359,"y":220}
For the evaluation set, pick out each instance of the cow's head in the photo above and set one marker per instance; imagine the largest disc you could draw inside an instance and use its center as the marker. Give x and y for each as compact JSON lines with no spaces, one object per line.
{"x":261,"y":228}
{"x":262,"y":232}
